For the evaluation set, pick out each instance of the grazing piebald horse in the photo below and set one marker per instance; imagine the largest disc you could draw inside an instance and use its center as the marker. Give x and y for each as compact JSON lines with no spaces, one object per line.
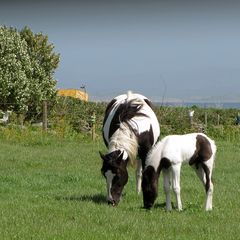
{"x":130,"y":129}
{"x":167,"y":156}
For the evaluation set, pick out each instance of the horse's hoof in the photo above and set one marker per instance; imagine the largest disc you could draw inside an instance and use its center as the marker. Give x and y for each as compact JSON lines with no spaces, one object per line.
{"x":112,"y":203}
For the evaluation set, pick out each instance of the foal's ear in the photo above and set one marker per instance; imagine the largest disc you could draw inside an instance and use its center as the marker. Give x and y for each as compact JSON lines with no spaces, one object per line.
{"x":102,"y":156}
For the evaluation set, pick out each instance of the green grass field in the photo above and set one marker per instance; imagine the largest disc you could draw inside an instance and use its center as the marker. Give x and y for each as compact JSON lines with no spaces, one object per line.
{"x":54,"y":190}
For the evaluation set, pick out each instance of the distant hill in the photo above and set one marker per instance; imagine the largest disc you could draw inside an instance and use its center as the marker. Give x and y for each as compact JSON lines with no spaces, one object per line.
{"x":224,"y":105}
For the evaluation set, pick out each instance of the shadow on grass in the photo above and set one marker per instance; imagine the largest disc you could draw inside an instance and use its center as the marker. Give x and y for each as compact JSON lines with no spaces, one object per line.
{"x":190,"y":207}
{"x":97,"y":198}
{"x":160,"y":205}
{"x":155,"y":206}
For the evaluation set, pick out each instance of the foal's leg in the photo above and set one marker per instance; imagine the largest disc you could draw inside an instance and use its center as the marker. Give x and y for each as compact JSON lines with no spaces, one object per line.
{"x":176,"y":184}
{"x":208,"y":167}
{"x":166,"y":188}
{"x":208,"y":204}
{"x":204,"y":172}
{"x":139,"y":176}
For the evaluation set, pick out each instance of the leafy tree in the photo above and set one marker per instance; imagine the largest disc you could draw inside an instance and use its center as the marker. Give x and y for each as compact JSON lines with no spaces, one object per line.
{"x":44,"y":63}
{"x":15,"y":71}
{"x":27,"y":66}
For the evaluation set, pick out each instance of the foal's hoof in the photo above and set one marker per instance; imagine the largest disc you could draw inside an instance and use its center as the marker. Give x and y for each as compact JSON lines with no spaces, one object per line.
{"x":148,"y":206}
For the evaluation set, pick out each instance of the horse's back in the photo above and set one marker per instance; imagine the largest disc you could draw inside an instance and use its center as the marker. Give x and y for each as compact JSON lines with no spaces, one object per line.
{"x":181,"y":148}
{"x":140,"y":123}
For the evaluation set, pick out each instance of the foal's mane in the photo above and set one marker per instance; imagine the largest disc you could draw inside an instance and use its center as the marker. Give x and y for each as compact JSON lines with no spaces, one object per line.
{"x":153,"y":157}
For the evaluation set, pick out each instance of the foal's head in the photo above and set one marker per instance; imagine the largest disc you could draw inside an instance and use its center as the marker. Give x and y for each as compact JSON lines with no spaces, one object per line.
{"x":114,"y":169}
{"x":149,"y":186}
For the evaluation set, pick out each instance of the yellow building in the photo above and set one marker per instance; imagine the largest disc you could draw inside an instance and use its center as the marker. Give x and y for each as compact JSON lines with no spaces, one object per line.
{"x":73,"y":93}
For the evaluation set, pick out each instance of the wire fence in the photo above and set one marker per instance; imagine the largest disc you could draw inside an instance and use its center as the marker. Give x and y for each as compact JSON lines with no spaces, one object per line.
{"x":87,"y":117}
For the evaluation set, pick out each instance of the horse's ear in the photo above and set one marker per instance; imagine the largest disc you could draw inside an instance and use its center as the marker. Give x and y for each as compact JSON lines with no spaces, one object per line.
{"x":102,"y":156}
{"x":120,"y":158}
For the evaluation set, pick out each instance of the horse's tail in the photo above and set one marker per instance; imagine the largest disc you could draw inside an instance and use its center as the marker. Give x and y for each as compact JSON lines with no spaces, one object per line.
{"x":129,"y":94}
{"x":131,"y":108}
{"x":134,"y":99}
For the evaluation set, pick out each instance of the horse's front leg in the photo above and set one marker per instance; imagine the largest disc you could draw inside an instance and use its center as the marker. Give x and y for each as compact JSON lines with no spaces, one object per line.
{"x":166,"y":188}
{"x":176,"y":184}
{"x":139,"y":176}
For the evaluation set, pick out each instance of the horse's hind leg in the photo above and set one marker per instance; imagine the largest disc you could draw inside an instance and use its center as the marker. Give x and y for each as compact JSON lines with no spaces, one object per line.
{"x":139,"y":176}
{"x":204,"y":172}
{"x":207,"y":167}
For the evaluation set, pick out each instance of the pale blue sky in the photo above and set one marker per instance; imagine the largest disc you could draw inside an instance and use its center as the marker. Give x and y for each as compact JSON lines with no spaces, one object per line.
{"x":184,"y":50}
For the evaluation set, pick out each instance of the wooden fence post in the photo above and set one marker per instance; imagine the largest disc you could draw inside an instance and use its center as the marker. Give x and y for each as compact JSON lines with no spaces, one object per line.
{"x":21,"y":120}
{"x":206,"y":120}
{"x":93,"y":121}
{"x":44,"y":125}
{"x":218,"y":119}
{"x":190,"y":115}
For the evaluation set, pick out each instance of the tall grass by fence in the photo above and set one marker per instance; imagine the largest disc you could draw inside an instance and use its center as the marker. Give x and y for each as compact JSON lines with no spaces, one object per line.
{"x":68,"y":116}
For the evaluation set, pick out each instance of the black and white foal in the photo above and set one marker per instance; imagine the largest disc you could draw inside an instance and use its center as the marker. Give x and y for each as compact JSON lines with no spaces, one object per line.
{"x":168,"y":155}
{"x":130,"y":129}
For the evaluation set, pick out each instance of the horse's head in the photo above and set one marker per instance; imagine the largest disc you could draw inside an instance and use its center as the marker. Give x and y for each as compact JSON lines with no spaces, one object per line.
{"x":149,"y":186}
{"x":114,"y":169}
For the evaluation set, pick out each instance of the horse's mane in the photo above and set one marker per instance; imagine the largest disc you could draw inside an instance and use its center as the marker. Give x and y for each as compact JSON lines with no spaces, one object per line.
{"x":124,"y":138}
{"x":153,"y":157}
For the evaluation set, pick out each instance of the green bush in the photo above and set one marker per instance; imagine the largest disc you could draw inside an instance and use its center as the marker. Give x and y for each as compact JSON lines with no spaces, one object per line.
{"x":71,"y":118}
{"x":77,"y":114}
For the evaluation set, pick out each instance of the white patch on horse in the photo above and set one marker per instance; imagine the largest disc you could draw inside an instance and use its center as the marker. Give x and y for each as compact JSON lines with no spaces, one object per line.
{"x":109,"y":176}
{"x":120,"y":99}
{"x":142,"y":123}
